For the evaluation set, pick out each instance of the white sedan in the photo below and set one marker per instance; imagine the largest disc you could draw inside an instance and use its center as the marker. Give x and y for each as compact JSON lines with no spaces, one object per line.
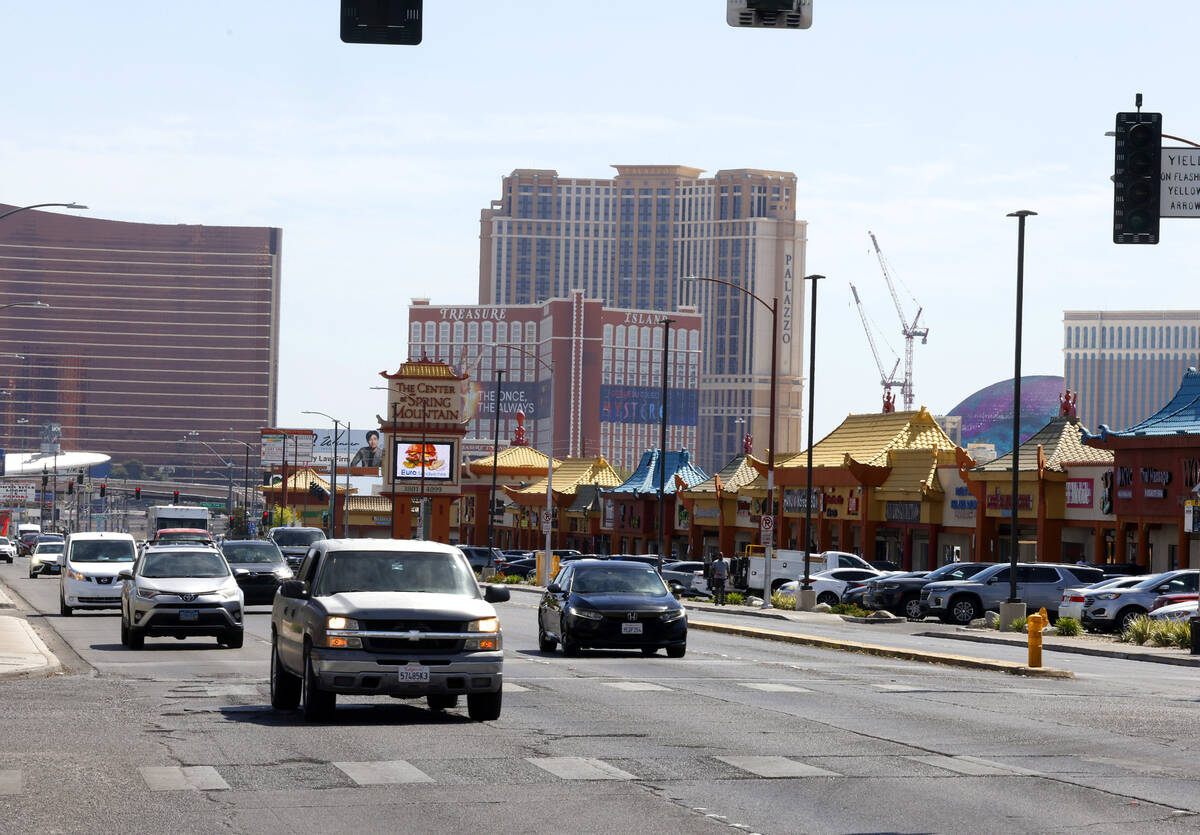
{"x":831,"y":585}
{"x":1176,"y":611}
{"x":1073,"y":598}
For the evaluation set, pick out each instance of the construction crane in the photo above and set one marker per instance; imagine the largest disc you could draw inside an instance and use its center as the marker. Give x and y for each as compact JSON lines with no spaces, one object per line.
{"x":909,"y":329}
{"x":885,"y":379}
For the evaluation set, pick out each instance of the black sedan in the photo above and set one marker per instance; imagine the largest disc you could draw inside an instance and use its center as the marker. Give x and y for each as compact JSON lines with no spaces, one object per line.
{"x":264,"y":564}
{"x":611,"y":604}
{"x":901,"y":594}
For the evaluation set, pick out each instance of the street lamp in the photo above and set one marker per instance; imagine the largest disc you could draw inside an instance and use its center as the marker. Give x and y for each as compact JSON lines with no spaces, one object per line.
{"x":1007,"y":617}
{"x":21,"y":304}
{"x":245,"y":472}
{"x":769,"y":553}
{"x":333,"y":469}
{"x":41,"y":205}
{"x":662,"y":445}
{"x":228,"y":472}
{"x":806,"y":599}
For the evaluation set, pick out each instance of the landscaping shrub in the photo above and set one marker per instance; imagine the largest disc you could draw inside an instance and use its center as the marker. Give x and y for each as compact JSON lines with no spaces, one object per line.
{"x":783,"y":601}
{"x":1019,"y":624}
{"x":1069,"y":627}
{"x":1138,"y":632}
{"x":851,"y":609}
{"x":735,"y":598}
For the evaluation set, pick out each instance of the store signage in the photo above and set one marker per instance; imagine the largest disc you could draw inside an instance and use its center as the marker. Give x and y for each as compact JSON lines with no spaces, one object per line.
{"x":902,"y":511}
{"x":794,"y":502}
{"x":708,"y":513}
{"x":1079,"y":492}
{"x":1003,"y":501}
{"x":424,"y":402}
{"x":1154,"y":493}
{"x":1153,"y":476}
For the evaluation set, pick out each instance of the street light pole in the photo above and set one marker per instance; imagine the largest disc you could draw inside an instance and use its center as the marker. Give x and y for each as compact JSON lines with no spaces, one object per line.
{"x":229,"y":473}
{"x":1016,"y":434}
{"x":40,"y":206}
{"x":812,"y":372}
{"x":662,"y":445}
{"x":332,"y":472}
{"x":245,"y":472}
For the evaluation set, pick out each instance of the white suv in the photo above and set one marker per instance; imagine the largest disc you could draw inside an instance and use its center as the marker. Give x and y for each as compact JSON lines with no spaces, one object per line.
{"x":90,"y":564}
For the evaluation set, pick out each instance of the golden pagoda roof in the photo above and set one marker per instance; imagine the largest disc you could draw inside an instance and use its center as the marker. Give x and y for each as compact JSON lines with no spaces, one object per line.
{"x":299,"y":481}
{"x":569,"y":476}
{"x":739,"y":473}
{"x":373,"y":504}
{"x":513,"y":461}
{"x":424,"y":368}
{"x":912,"y":474}
{"x":867,"y":439}
{"x":1061,"y":441}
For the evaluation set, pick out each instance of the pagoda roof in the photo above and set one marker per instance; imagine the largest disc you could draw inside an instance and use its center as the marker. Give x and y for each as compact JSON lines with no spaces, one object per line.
{"x":299,"y":480}
{"x":739,"y":473}
{"x":1181,"y":416}
{"x":867,"y":439}
{"x":513,"y":461}
{"x":424,"y":368}
{"x":372,"y":504}
{"x":912,"y":474}
{"x":587,"y":498}
{"x":1062,"y":443}
{"x":645,"y":478}
{"x":569,"y":476}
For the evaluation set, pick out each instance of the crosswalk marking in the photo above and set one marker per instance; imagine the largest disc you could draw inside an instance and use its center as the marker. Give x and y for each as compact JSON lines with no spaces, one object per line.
{"x":580,"y":768}
{"x":971,"y":766}
{"x":635,"y":685}
{"x":771,"y":687}
{"x":182,"y":778}
{"x":384,"y":772}
{"x":11,"y":782}
{"x":776,"y":767}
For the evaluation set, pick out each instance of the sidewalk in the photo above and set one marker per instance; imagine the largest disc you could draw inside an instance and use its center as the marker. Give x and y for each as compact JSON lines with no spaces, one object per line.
{"x":22,"y":652}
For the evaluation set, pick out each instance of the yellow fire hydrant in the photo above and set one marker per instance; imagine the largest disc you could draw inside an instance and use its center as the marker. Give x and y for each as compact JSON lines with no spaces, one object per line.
{"x":1034,"y":625}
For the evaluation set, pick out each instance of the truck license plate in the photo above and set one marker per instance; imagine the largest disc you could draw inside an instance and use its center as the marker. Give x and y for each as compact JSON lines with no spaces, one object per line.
{"x":414,"y":673}
{"x":631,"y":629}
{"x":189,"y":614}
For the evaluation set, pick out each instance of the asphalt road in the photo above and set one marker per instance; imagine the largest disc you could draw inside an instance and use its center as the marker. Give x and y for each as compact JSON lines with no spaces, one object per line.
{"x":744,"y":733}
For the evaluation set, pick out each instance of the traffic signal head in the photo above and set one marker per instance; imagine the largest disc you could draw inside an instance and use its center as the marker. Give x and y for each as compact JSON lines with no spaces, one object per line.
{"x":1137,"y":178}
{"x":70,"y":487}
{"x":102,"y":488}
{"x":137,"y":492}
{"x":175,"y":497}
{"x":266,"y":518}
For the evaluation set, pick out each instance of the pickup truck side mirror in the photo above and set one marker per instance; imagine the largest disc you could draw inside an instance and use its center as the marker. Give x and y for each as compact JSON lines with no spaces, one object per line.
{"x":293,"y":588}
{"x":496,"y":594}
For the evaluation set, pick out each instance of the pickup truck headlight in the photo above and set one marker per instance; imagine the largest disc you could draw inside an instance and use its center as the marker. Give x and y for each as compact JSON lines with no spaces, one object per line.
{"x":336,"y":624}
{"x":284,"y":573}
{"x":484,"y":625}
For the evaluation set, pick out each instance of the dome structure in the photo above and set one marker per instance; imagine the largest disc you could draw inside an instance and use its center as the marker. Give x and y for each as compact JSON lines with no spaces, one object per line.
{"x":987,"y":414}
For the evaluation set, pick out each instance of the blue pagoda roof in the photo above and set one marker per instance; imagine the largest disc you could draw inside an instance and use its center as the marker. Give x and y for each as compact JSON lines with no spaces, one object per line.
{"x":1181,"y":416}
{"x":645,"y":478}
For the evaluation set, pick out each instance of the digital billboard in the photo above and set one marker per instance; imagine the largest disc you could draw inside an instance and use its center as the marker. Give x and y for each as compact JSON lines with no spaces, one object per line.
{"x":434,"y":461}
{"x":643,"y":404}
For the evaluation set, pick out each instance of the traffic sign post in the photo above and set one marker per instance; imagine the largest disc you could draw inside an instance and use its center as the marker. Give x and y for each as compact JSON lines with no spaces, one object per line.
{"x":766,"y":527}
{"x":546,"y":521}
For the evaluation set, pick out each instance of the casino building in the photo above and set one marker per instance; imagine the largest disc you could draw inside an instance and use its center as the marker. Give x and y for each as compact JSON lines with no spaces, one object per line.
{"x":604,"y":394}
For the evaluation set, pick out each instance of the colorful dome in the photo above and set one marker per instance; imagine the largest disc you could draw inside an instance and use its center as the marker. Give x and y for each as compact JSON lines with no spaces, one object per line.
{"x":987,"y":414}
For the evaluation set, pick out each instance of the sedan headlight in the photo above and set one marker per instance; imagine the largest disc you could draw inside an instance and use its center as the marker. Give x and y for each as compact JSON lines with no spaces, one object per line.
{"x":336,"y":622}
{"x":1112,"y":595}
{"x":586,"y":614}
{"x":673,"y":615}
{"x":484,"y":625}
{"x":228,"y":594}
{"x":146,"y":593}
{"x":284,"y":573}
{"x":891,"y":586}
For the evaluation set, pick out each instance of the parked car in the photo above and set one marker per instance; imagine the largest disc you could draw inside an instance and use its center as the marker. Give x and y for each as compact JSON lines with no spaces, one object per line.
{"x":91,"y":567}
{"x":620,"y":604}
{"x":480,"y":556}
{"x":390,"y":617}
{"x":831,"y":585}
{"x":900,"y":594}
{"x":46,"y":559}
{"x":294,"y":542}
{"x":1074,"y":598}
{"x":1039,"y":585}
{"x":181,"y":591}
{"x":1119,"y":569}
{"x":687,"y":573}
{"x":645,"y":559}
{"x":517,"y":568}
{"x":1115,"y":609}
{"x":1176,"y":611}
{"x":885,"y":565}
{"x":262,"y":566}
{"x":1171,"y":599}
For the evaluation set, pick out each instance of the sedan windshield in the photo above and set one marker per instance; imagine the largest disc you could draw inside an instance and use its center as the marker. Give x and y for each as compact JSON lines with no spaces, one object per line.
{"x":184,"y":564}
{"x":292,"y":539}
{"x":101,"y":550}
{"x":251,"y":552}
{"x":348,"y":571}
{"x":599,"y":579}
{"x":956,"y":571}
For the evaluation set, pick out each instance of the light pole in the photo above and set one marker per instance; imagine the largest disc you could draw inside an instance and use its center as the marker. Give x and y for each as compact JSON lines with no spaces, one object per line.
{"x":245,"y":473}
{"x":21,"y":304}
{"x":1007,"y":617}
{"x":228,"y":473}
{"x":40,"y":206}
{"x":333,"y":471}
{"x":807,"y":601}
{"x":769,"y":553}
{"x":662,"y":445}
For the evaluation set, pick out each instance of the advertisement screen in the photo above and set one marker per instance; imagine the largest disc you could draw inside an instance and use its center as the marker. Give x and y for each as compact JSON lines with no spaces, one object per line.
{"x":434,"y":460}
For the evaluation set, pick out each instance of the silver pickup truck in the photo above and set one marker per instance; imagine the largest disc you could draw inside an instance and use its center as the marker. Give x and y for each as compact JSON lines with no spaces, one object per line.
{"x":386,"y":617}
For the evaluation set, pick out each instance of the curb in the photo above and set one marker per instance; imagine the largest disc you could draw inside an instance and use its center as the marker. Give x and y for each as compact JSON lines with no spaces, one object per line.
{"x":1009,"y":667}
{"x":1175,"y":660}
{"x":49,"y":661}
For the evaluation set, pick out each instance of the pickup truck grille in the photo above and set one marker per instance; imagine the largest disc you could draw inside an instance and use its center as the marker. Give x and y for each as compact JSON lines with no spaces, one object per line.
{"x":410,"y":625}
{"x":403,"y":642}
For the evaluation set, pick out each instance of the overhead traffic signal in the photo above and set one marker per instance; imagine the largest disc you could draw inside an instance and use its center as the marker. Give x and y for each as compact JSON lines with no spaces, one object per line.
{"x":70,"y":487}
{"x":137,"y":492}
{"x":1137,"y":178}
{"x":175,"y":497}
{"x":381,"y":21}
{"x":102,"y":488}
{"x":266,"y":518}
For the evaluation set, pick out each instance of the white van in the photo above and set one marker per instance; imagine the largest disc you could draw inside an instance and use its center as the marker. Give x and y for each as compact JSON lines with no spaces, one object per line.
{"x":90,"y":564}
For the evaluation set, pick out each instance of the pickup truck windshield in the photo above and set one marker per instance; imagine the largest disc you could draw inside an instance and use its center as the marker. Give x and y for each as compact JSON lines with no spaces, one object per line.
{"x":348,"y":571}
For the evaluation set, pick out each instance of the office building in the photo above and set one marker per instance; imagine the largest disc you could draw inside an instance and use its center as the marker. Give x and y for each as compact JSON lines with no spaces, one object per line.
{"x":1124,"y":365}
{"x":632,"y":240}
{"x":605,"y":392}
{"x":158,"y":336}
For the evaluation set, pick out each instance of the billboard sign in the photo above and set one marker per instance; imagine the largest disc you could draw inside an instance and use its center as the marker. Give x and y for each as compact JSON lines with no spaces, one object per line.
{"x":434,"y":462}
{"x":299,"y":452}
{"x":531,"y":398}
{"x":643,"y":404}
{"x":359,"y":449}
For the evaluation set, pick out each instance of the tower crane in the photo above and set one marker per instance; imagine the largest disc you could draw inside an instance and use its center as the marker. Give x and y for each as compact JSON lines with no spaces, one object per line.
{"x":909,"y":329}
{"x":885,"y":379}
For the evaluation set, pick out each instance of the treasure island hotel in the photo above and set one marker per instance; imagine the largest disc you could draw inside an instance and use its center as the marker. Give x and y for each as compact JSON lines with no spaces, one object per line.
{"x":632,"y":242}
{"x":157,"y":337}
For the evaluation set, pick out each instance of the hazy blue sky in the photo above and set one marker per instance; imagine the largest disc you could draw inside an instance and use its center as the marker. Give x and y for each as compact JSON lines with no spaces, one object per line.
{"x":924,"y":122}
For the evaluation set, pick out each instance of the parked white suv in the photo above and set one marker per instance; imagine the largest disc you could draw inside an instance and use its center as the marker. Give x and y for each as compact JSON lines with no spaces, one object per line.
{"x":90,"y":564}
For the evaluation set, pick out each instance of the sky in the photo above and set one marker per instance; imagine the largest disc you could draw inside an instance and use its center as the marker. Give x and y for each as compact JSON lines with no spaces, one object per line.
{"x":926,"y":123}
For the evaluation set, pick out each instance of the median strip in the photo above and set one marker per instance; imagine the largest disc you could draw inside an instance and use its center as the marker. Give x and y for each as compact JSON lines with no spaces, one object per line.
{"x":1010,"y":667}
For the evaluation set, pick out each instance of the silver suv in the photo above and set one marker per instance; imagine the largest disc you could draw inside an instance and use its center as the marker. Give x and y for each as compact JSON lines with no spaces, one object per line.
{"x":181,"y":591}
{"x":1115,"y":608}
{"x":1038,"y":585}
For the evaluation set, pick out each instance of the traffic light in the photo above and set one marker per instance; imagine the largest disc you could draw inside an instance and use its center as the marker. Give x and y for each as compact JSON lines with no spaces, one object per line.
{"x":70,"y":487}
{"x":102,"y":487}
{"x":266,"y":518}
{"x":137,"y":492}
{"x":1137,"y":177}
{"x":79,"y":478}
{"x":770,"y":14}
{"x":382,"y":21}
{"x":175,"y":497}
{"x":45,"y":480}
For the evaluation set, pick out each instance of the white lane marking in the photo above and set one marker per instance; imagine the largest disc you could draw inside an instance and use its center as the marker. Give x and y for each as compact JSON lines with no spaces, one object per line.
{"x":1015,"y":769}
{"x":509,"y":687}
{"x":770,"y":687}
{"x":384,"y":772}
{"x":776,"y":767}
{"x":580,"y":768}
{"x":896,"y":688}
{"x":182,"y":778}
{"x":11,"y":782}
{"x":971,"y":766}
{"x":635,"y":685}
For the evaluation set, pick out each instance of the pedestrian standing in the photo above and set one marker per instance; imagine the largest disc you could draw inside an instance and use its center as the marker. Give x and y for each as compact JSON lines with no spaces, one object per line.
{"x":718,"y":574}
